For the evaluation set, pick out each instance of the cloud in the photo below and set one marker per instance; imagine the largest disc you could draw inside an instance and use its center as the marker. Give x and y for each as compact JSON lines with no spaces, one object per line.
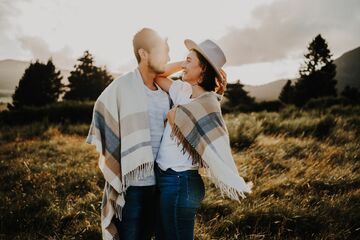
{"x":12,"y":37}
{"x":40,"y":50}
{"x":7,"y":9}
{"x":283,"y":29}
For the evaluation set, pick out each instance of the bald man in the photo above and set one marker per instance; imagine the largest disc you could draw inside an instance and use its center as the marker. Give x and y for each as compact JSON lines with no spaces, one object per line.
{"x":133,"y":214}
{"x":138,"y":215}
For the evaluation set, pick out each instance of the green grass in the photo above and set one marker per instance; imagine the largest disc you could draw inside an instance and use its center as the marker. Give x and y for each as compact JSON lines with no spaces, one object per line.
{"x":304,"y":164}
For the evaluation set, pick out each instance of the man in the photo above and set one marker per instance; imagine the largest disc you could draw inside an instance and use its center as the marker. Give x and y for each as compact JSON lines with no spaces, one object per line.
{"x":127,"y":126}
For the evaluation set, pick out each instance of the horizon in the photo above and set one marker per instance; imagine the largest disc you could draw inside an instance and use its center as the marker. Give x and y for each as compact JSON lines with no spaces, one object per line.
{"x":228,"y":70}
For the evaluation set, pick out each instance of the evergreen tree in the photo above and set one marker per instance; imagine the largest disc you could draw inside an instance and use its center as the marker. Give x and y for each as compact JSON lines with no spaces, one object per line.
{"x":317,"y":74}
{"x":87,"y":81}
{"x":40,"y":85}
{"x":236,"y":95}
{"x":287,"y":93}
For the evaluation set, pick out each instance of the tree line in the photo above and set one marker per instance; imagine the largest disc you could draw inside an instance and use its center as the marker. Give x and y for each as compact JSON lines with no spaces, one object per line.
{"x":41,"y":83}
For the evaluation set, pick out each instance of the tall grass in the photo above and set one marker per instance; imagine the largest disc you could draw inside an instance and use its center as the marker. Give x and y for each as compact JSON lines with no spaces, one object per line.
{"x":51,"y":187}
{"x":304,"y":164}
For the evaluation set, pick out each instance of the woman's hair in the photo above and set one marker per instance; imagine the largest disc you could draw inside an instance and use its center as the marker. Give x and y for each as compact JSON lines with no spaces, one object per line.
{"x":209,"y":79}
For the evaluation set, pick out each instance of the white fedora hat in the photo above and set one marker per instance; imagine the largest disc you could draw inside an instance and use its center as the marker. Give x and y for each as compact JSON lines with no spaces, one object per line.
{"x":210,"y":51}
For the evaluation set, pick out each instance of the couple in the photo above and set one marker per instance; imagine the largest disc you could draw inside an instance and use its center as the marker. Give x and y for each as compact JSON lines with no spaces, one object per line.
{"x":150,"y":153}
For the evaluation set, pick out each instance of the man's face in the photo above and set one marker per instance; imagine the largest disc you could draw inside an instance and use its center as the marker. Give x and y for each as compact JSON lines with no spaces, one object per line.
{"x":158,"y":57}
{"x":191,"y":68}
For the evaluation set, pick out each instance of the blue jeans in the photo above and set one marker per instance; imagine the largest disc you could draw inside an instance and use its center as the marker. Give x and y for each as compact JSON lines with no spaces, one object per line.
{"x":138,"y":214}
{"x":179,"y":197}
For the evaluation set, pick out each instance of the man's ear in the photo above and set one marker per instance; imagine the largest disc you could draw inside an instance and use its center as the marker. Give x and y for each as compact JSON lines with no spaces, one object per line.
{"x":142,"y":53}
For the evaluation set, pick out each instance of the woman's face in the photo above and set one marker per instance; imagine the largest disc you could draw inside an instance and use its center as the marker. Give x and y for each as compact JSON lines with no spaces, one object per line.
{"x":191,"y":68}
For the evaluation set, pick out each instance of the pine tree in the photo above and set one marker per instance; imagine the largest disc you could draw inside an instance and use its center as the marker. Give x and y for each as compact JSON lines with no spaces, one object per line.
{"x":317,"y":74}
{"x":40,"y":85}
{"x":87,"y":81}
{"x":287,"y":93}
{"x":236,"y":95}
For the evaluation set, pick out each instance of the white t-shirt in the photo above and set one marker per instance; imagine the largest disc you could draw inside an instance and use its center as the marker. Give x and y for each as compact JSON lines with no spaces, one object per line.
{"x":158,"y":106}
{"x":170,"y":155}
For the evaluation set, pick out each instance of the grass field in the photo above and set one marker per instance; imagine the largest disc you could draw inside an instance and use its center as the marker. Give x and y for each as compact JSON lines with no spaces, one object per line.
{"x":305,"y":166}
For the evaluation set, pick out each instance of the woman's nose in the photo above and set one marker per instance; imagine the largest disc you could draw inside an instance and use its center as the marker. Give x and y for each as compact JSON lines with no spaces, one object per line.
{"x":183,"y":65}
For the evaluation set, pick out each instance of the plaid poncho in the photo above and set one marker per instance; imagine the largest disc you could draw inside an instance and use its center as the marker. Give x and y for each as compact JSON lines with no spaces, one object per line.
{"x":120,"y":130}
{"x":200,"y":128}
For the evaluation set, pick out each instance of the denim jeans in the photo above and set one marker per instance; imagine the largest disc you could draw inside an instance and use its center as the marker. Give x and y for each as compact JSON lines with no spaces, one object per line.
{"x":179,"y":197}
{"x":138,"y":214}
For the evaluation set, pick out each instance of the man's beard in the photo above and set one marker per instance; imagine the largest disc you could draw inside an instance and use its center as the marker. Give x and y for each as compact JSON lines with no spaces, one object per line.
{"x":155,"y":69}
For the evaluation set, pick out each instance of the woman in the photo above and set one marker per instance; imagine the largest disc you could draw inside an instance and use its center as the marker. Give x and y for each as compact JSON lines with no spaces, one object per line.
{"x":195,"y":136}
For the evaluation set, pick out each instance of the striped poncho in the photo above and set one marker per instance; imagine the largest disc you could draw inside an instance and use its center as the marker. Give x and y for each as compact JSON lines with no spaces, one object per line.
{"x":120,"y":131}
{"x":200,"y":128}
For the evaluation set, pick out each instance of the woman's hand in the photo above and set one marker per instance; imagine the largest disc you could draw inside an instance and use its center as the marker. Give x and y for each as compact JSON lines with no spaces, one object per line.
{"x":221,"y":82}
{"x":223,"y":75}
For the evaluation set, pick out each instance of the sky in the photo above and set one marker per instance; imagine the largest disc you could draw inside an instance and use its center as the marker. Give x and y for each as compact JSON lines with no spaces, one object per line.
{"x":263,"y":40}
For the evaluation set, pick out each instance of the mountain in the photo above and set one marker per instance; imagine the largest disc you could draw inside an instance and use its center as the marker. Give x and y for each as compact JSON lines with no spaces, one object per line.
{"x":348,"y":69}
{"x":10,"y":73}
{"x":266,"y":92}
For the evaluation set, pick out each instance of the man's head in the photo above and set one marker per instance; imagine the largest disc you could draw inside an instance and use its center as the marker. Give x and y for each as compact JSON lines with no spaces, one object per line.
{"x":151,"y":50}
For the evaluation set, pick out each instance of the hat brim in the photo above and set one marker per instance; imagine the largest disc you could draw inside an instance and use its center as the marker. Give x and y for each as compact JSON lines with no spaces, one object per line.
{"x":191,"y":45}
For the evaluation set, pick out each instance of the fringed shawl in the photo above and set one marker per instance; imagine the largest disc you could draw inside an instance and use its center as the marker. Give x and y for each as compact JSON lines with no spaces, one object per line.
{"x":200,"y":128}
{"x":120,"y":131}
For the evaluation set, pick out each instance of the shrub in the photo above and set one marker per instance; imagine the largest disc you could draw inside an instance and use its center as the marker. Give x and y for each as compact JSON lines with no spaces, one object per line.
{"x":67,"y":111}
{"x":243,"y":129}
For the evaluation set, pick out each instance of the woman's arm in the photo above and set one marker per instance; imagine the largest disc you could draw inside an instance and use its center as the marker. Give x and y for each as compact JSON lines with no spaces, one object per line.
{"x":164,"y":83}
{"x":162,"y":79}
{"x":171,"y":68}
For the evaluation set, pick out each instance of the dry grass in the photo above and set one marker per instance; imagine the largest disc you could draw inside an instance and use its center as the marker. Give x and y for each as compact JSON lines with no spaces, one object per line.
{"x":52,"y":188}
{"x":304,"y":165}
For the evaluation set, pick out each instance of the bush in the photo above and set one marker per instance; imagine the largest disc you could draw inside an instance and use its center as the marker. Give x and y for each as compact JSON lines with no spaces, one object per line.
{"x":326,"y":102}
{"x":269,"y":106}
{"x":324,"y":126}
{"x":67,"y":111}
{"x":243,"y":129}
{"x":302,"y":126}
